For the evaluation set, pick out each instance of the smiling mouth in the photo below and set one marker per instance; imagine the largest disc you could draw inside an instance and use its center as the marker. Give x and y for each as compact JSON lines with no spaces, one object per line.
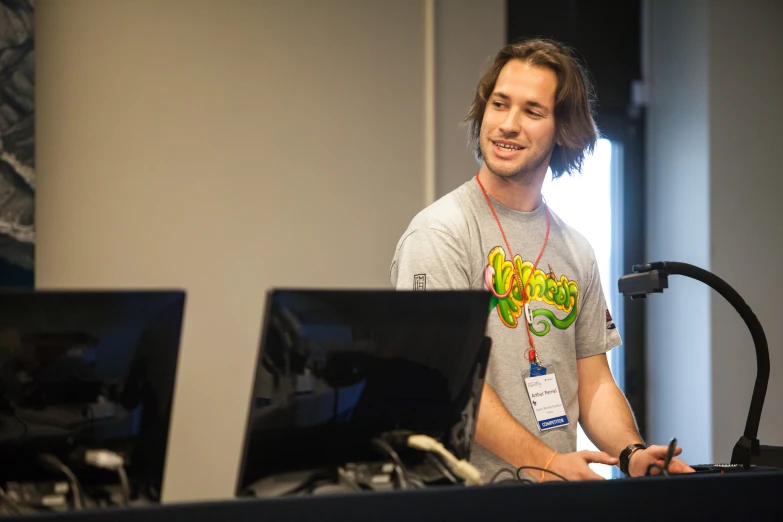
{"x":505,"y":146}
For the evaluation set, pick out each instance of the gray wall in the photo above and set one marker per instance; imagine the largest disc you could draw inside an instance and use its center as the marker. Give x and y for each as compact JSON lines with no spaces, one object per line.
{"x":714,"y":120}
{"x":746,"y":215}
{"x":468,"y":33}
{"x":678,"y":330}
{"x":226,"y":148}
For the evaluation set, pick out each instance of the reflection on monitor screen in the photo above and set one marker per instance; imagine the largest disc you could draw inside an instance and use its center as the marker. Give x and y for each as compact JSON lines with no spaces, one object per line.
{"x":87,"y":370}
{"x":337,"y":368}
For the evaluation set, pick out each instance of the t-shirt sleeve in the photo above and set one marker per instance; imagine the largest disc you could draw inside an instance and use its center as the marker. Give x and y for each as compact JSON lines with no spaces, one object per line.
{"x":429,"y":259}
{"x":596,"y":332}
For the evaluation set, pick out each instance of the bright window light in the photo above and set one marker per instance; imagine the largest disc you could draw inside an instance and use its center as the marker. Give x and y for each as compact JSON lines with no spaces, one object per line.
{"x":584,"y":202}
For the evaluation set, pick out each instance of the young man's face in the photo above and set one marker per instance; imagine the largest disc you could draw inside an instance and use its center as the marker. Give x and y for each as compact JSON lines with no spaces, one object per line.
{"x":518,"y":129}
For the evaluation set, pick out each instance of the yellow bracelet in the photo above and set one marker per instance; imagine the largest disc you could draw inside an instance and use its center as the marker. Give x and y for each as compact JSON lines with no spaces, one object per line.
{"x":547,"y":466}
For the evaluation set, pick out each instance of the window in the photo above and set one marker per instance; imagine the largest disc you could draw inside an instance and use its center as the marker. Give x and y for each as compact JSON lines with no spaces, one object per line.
{"x":589,"y":203}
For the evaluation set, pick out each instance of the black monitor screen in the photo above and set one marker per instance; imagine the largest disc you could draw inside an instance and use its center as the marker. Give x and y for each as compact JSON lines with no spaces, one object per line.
{"x":87,"y":370}
{"x":337,"y":368}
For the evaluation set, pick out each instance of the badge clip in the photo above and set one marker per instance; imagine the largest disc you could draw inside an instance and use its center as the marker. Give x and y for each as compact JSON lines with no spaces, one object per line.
{"x":535,"y":365}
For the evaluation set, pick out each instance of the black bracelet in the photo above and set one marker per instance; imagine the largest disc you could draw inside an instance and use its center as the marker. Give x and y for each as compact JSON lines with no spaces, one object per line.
{"x":625,"y":456}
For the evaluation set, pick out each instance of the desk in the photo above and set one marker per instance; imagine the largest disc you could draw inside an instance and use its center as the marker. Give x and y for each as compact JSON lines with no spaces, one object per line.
{"x":736,"y":496}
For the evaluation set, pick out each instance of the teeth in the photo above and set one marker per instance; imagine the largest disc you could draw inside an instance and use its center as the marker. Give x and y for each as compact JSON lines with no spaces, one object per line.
{"x":508,"y":147}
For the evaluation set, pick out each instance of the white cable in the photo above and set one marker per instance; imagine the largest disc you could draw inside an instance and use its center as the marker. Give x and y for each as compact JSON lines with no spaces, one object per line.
{"x":104,"y":459}
{"x":462,"y":468}
{"x":110,"y":460}
{"x":125,"y":484}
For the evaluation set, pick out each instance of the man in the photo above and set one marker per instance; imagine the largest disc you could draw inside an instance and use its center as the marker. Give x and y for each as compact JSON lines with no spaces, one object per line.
{"x":531,"y":112}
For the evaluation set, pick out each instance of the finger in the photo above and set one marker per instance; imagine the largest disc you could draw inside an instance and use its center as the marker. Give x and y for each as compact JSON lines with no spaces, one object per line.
{"x":678,"y":466}
{"x":653,"y":467}
{"x":599,"y":457}
{"x":592,"y":475}
{"x":659,"y":452}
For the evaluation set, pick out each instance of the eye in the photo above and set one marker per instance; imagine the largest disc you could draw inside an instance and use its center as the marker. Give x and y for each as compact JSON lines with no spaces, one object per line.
{"x":497,"y":104}
{"x":534,"y":114}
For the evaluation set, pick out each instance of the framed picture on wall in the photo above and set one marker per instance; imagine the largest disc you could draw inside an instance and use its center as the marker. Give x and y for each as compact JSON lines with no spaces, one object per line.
{"x":17,"y":143}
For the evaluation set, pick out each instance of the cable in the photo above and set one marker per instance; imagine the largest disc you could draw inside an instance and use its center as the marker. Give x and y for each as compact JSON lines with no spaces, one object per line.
{"x":124,"y":484}
{"x":20,"y":419}
{"x":343,"y":477}
{"x":112,"y":461}
{"x":386,"y":448}
{"x":504,"y":470}
{"x":515,"y":478}
{"x":304,"y":487}
{"x":10,"y":503}
{"x":309,"y":487}
{"x":53,"y":463}
{"x":561,"y":477}
{"x":462,"y":468}
{"x":415,"y":481}
{"x":442,"y":468}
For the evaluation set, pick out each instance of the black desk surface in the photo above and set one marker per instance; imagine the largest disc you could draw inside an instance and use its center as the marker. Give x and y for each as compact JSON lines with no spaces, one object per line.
{"x":736,"y":496}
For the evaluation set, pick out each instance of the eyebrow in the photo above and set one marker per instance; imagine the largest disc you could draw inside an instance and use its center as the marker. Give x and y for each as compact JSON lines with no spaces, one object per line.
{"x":505,"y":97}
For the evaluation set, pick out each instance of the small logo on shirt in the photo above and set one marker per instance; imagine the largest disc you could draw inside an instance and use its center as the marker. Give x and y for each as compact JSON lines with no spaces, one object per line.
{"x":420,"y":282}
{"x":609,"y":321}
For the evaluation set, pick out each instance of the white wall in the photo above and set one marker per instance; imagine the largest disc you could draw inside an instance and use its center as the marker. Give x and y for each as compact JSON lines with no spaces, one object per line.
{"x":226,"y":148}
{"x":746,"y":111}
{"x":713,"y":177}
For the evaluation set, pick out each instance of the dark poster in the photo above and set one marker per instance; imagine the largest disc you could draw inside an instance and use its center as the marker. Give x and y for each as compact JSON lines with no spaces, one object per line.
{"x":17,"y":143}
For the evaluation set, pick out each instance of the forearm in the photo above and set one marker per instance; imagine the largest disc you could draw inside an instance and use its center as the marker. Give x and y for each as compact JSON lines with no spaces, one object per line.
{"x":500,"y":433}
{"x":606,"y":418}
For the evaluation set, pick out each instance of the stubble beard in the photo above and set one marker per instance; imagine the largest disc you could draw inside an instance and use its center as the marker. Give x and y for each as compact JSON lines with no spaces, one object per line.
{"x":524,"y":173}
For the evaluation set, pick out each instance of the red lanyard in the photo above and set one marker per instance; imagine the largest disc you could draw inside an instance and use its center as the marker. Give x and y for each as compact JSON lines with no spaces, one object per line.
{"x":532,"y":353}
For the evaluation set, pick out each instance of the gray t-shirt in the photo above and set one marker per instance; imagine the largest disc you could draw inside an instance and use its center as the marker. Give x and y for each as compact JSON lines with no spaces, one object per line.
{"x":450,"y":244}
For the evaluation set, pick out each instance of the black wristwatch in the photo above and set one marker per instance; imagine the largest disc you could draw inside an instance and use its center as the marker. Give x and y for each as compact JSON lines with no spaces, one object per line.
{"x":625,"y":456}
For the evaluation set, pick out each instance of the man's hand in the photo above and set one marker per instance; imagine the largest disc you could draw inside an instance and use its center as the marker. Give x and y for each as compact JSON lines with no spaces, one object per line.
{"x":575,"y":466}
{"x":641,"y":459}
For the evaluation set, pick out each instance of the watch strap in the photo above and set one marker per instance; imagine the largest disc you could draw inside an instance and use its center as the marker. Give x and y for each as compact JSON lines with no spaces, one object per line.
{"x":625,"y":456}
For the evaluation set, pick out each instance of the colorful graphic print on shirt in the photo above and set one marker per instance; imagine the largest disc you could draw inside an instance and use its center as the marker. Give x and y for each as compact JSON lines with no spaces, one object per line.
{"x":561,"y":294}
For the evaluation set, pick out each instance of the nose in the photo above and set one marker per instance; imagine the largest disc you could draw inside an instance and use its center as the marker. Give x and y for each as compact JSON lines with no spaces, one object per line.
{"x":510,"y":125}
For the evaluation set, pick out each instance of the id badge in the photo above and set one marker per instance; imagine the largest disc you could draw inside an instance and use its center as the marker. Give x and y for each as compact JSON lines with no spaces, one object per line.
{"x":536,"y":370}
{"x":545,"y":399}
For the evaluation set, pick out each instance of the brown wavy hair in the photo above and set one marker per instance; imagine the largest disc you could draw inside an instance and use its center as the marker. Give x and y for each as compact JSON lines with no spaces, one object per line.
{"x":574,"y":101}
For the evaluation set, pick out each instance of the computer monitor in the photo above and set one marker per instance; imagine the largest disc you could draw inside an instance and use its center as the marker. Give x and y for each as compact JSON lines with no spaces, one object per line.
{"x":84,"y":370}
{"x":337,"y":368}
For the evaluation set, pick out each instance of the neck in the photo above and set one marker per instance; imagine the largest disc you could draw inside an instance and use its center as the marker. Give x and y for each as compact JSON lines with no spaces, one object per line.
{"x":522,"y":193}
